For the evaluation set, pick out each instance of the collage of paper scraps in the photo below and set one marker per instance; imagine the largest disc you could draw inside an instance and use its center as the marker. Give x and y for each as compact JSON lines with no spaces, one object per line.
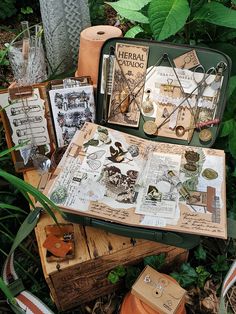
{"x":112,"y":175}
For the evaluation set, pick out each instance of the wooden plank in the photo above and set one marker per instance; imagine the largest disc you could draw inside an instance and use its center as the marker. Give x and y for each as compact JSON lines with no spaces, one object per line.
{"x":88,"y":280}
{"x":84,"y":278}
{"x":108,"y":243}
{"x":32,"y":177}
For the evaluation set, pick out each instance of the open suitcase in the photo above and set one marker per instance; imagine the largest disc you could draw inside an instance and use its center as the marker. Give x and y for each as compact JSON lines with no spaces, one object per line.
{"x":149,"y":94}
{"x":163,"y":55}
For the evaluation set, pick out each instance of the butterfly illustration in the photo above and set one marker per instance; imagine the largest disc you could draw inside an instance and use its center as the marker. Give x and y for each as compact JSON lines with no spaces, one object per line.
{"x":93,"y":159}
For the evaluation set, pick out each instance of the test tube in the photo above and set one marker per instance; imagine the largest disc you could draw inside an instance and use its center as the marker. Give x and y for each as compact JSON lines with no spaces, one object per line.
{"x":25,"y":29}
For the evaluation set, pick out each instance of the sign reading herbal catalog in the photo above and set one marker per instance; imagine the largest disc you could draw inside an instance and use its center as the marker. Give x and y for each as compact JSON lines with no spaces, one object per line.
{"x":127,"y":89}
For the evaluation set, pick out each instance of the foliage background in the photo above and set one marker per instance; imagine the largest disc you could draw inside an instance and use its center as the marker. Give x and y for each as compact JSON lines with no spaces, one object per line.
{"x":210,"y":23}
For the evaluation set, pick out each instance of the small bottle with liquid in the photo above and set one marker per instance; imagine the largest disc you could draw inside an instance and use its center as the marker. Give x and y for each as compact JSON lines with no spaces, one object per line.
{"x":178,"y":184}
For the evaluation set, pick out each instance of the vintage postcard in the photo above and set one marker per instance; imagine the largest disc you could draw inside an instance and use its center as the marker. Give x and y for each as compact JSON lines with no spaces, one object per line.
{"x":25,"y":122}
{"x":118,"y":177}
{"x":71,"y":108}
{"x":127,"y":84}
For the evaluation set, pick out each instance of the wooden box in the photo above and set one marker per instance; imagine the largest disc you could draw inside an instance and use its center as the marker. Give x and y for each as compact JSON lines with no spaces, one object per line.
{"x":97,"y":252}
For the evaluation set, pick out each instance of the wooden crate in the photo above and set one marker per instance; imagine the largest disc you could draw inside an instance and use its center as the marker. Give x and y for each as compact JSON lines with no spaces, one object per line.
{"x":84,"y":278}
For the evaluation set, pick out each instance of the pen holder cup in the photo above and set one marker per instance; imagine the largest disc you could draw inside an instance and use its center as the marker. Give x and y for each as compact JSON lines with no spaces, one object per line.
{"x":30,"y":68}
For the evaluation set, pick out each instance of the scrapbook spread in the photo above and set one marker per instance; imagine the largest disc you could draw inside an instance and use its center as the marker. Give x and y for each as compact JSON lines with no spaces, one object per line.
{"x":121,"y":178}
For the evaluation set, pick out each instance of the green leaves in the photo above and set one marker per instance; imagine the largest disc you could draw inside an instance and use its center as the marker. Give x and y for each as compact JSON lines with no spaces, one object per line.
{"x":4,"y":59}
{"x":117,"y":273}
{"x":6,"y":291}
{"x":227,"y":127}
{"x":132,"y":32}
{"x":10,"y":298}
{"x":25,"y":229}
{"x":155,"y":261}
{"x":220,"y":264}
{"x":216,"y":13}
{"x":167,"y":17}
{"x":25,"y":188}
{"x":130,"y":9}
{"x":202,"y":276}
{"x":200,"y":253}
{"x":26,"y":10}
{"x":134,"y":5}
{"x":232,"y":143}
{"x":7,"y":8}
{"x":131,"y":275}
{"x":187,"y":275}
{"x":232,"y":85}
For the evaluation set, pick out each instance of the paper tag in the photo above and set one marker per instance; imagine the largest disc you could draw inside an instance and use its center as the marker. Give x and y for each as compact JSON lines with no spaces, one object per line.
{"x":159,"y":291}
{"x":187,"y":61}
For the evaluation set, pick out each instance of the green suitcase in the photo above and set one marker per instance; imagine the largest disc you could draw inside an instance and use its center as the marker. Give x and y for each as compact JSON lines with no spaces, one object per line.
{"x":167,"y":51}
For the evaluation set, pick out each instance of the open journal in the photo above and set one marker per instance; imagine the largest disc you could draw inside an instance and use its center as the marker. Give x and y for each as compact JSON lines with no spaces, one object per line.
{"x":121,"y":178}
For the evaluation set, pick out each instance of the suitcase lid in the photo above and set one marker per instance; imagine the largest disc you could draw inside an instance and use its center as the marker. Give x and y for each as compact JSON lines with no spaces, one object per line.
{"x":207,"y":57}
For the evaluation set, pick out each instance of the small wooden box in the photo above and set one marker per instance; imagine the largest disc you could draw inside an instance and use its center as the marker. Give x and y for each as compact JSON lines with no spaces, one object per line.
{"x":97,"y":252}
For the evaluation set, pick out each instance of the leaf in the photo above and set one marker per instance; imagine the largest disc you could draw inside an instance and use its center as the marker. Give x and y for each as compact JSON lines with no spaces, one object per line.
{"x":11,"y":207}
{"x":25,"y":187}
{"x":220,"y":264}
{"x":226,"y":35}
{"x":131,"y":275}
{"x":134,"y":5}
{"x":227,"y":127}
{"x":195,"y":5}
{"x":103,"y":130}
{"x":228,"y":49}
{"x":167,"y":17}
{"x":187,"y":275}
{"x":129,"y":9}
{"x":113,"y":277}
{"x":25,"y":229}
{"x":231,"y":86}
{"x":216,"y":13}
{"x":232,"y":143}
{"x":7,"y":292}
{"x":234,"y":173}
{"x":91,"y":142}
{"x":26,"y":10}
{"x":9,"y":150}
{"x":200,"y":253}
{"x":120,"y":270}
{"x":131,"y":15}
{"x":155,"y":261}
{"x":202,"y":276}
{"x":133,"y":31}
